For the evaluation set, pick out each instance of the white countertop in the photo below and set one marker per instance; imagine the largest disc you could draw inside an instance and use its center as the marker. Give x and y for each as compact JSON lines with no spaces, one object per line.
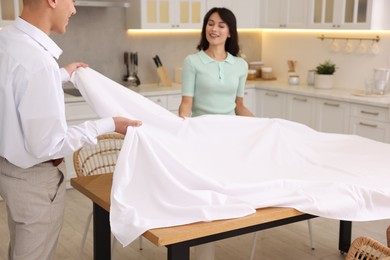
{"x":345,"y":95}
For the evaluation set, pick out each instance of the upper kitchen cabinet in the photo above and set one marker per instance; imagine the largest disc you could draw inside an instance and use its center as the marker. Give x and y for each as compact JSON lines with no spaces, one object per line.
{"x":9,"y":10}
{"x":166,"y":14}
{"x":246,"y":12}
{"x":283,"y":13}
{"x":349,"y":14}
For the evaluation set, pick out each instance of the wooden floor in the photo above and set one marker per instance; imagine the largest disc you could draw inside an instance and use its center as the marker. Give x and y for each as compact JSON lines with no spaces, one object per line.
{"x":287,"y":242}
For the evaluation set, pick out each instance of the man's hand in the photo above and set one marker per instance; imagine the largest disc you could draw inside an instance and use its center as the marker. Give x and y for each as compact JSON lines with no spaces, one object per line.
{"x":121,"y":124}
{"x":73,"y":66}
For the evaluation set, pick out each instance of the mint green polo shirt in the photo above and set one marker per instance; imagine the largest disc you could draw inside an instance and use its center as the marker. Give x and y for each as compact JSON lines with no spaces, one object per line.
{"x":214,"y":85}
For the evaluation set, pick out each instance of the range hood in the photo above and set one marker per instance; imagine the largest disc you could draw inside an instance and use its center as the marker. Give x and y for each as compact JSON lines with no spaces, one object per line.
{"x":88,"y":3}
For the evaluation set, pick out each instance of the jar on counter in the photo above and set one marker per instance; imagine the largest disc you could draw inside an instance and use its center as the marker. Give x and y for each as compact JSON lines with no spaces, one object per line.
{"x":251,"y":75}
{"x":256,"y":65}
{"x":266,"y":73}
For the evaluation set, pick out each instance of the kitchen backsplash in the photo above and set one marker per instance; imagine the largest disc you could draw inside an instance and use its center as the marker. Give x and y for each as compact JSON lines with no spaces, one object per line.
{"x":101,"y":41}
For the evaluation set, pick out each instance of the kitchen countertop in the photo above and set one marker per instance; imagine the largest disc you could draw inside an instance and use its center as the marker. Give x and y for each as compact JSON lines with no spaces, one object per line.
{"x":345,"y":95}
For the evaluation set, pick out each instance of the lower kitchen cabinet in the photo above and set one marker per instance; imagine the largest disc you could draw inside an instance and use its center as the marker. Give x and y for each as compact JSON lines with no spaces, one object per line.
{"x":169,"y":101}
{"x":301,"y":109}
{"x":250,"y":100}
{"x":371,"y":122}
{"x":270,"y":104}
{"x":332,"y":116}
{"x":76,"y":113}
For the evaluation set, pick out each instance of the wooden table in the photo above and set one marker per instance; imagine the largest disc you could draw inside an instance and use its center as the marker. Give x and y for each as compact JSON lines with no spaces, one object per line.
{"x":179,"y":239}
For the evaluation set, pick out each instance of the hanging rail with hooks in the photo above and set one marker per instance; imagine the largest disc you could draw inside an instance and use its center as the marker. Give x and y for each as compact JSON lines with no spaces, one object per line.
{"x":323,"y":37}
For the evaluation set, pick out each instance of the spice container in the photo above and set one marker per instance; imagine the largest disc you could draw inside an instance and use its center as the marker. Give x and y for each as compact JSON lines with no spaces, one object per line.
{"x":266,"y":73}
{"x":251,"y":75}
{"x":256,"y":65}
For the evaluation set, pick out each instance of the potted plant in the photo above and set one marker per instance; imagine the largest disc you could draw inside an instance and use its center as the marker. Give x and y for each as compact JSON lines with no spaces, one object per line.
{"x":324,"y":77}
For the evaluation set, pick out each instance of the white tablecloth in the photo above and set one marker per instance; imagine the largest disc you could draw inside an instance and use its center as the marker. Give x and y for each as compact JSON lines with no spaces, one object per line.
{"x":173,"y":171}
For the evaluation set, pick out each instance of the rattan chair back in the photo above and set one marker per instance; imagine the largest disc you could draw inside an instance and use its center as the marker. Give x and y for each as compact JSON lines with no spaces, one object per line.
{"x":368,"y":249}
{"x":100,"y":158}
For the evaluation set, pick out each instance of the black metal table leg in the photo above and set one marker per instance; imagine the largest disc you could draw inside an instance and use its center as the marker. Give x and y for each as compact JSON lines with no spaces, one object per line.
{"x":178,"y":252}
{"x":345,"y":235}
{"x":101,"y":233}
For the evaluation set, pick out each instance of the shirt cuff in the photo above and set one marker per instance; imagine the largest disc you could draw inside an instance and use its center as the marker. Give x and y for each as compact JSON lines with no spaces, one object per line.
{"x":65,"y":77}
{"x":105,"y":125}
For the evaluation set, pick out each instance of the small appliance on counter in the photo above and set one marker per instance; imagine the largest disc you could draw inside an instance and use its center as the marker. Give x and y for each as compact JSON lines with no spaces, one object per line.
{"x":381,"y":80}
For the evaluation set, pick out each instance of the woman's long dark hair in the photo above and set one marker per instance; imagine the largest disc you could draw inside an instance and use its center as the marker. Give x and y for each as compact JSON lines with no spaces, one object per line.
{"x":231,"y":44}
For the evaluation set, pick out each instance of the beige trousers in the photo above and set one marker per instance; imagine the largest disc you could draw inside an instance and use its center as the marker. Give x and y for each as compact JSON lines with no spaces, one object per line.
{"x":34,"y":199}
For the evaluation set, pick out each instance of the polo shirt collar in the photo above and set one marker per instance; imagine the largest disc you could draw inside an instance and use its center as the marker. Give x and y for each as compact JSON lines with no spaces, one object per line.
{"x":207,"y":59}
{"x":39,"y":36}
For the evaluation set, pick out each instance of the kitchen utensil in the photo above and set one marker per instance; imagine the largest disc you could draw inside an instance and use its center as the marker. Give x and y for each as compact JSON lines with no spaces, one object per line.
{"x":348,"y":48}
{"x":375,"y":48}
{"x":131,"y":78}
{"x":137,"y":80}
{"x":126,"y":61}
{"x":361,"y":49}
{"x":335,"y":46}
{"x":165,"y":80}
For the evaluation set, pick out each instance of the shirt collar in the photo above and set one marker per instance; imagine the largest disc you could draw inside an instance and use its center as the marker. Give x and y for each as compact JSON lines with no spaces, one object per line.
{"x":207,"y":59}
{"x":39,"y":36}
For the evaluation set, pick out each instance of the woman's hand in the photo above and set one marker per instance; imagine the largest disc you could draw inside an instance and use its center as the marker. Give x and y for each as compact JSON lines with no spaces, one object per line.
{"x":70,"y":68}
{"x":185,"y":107}
{"x":121,"y":124}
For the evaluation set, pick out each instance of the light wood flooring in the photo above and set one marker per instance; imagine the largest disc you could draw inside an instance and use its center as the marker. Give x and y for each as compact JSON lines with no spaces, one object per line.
{"x":287,"y":242}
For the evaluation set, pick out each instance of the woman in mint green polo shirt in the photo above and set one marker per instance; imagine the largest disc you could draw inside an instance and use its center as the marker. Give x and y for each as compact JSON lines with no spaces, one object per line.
{"x":214,"y":78}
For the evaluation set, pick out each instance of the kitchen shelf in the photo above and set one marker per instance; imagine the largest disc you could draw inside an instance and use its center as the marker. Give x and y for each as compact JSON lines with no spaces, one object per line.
{"x":323,"y":37}
{"x":87,"y":3}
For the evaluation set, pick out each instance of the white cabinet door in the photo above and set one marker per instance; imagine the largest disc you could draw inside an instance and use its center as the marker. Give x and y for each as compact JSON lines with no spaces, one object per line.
{"x":284,"y":13}
{"x":340,"y":14}
{"x":160,"y":100}
{"x":271,"y":104}
{"x":371,"y":122}
{"x":246,"y":12}
{"x":9,"y":10}
{"x":332,"y":116}
{"x":165,"y":14}
{"x":250,"y":100}
{"x":301,"y":109}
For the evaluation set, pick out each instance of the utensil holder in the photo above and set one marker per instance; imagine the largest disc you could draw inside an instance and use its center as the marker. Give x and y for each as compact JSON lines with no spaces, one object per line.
{"x":164,"y":78}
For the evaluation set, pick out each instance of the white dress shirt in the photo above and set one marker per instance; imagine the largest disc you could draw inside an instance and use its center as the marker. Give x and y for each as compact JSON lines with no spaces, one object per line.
{"x":33,"y":126}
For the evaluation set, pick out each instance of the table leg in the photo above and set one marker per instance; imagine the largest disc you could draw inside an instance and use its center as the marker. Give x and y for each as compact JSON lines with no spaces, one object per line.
{"x":345,"y":235}
{"x":178,"y":252}
{"x":101,"y":233}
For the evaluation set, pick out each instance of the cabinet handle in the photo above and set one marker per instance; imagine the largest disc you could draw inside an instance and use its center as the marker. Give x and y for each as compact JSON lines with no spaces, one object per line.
{"x":331,"y":104}
{"x":370,"y":113}
{"x":369,"y":125}
{"x":271,"y":94}
{"x":300,"y":99}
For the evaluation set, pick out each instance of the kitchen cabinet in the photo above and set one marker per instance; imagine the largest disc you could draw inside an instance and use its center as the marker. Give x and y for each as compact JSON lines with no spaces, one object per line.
{"x":246,"y":12}
{"x":170,"y":102}
{"x":349,"y":14}
{"x":371,"y":122}
{"x":283,"y":13}
{"x":301,"y":109}
{"x":9,"y":10}
{"x":250,"y":99}
{"x":271,"y":104}
{"x":76,"y":113}
{"x":165,"y":14}
{"x":332,"y":116}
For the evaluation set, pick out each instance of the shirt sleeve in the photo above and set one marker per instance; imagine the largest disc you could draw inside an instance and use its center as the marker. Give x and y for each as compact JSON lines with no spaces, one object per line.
{"x":188,"y":78}
{"x":242,"y":78}
{"x":65,"y":77}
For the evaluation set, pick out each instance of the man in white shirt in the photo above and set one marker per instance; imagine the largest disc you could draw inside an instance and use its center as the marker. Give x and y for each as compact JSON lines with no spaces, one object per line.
{"x":34,"y":136}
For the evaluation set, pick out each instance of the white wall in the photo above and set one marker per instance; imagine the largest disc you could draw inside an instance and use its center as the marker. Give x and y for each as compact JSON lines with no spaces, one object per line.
{"x":305,"y":47}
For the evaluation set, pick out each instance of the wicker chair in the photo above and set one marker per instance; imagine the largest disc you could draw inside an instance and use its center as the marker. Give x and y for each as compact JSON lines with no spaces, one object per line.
{"x":98,"y":159}
{"x":368,"y":249}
